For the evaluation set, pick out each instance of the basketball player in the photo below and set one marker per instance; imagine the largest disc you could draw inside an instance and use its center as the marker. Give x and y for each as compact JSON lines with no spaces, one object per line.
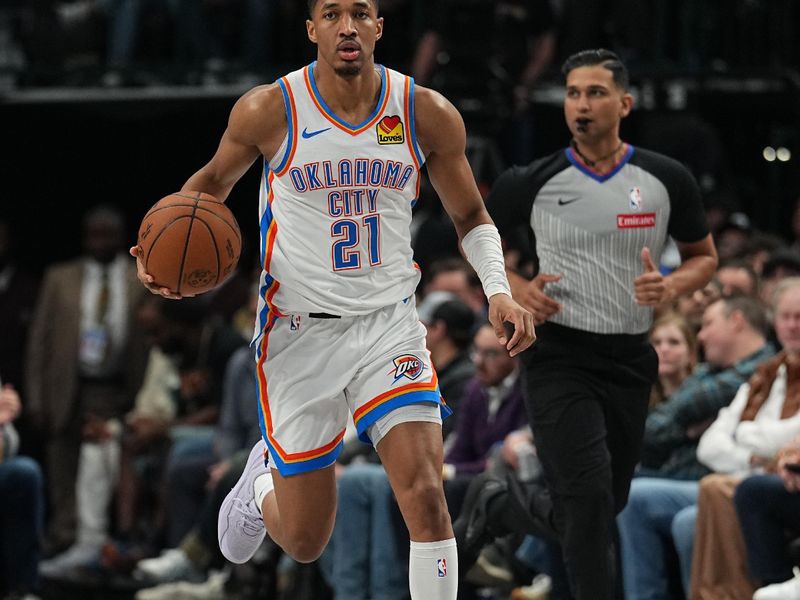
{"x":343,"y":141}
{"x":600,"y":212}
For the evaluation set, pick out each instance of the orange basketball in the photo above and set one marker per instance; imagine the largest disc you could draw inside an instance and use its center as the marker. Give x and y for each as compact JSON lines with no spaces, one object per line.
{"x":190,"y":242}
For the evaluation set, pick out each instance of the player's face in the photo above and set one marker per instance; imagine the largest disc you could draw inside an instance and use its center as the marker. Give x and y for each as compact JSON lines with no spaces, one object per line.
{"x":345,"y":32}
{"x":594,"y":104}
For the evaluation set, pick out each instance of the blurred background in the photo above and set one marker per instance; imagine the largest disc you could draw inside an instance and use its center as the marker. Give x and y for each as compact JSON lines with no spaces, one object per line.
{"x":118,"y":101}
{"x":115,"y":103}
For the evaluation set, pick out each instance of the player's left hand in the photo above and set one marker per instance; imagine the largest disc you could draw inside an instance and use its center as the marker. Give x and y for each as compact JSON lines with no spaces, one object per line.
{"x":503,"y":309}
{"x":650,"y":288}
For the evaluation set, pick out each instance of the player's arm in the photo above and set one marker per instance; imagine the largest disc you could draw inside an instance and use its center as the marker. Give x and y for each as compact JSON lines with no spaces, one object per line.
{"x":256,"y":126}
{"x":443,"y":140}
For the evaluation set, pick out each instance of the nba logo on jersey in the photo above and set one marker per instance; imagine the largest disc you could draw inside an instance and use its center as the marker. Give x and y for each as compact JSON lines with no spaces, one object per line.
{"x":441,"y":566}
{"x":635,"y":196}
{"x":294,"y":322}
{"x":390,"y":130}
{"x":408,"y":366}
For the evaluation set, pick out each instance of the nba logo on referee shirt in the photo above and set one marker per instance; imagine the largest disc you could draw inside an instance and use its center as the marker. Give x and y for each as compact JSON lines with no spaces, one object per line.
{"x":635,"y":196}
{"x":441,"y":567}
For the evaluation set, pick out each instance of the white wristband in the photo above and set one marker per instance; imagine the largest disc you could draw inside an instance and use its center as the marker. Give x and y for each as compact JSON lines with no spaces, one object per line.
{"x":483,"y":251}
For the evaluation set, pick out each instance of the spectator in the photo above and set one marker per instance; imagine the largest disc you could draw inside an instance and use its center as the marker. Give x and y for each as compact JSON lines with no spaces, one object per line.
{"x":782,"y":264}
{"x":498,"y":75}
{"x":21,"y":507}
{"x":200,"y":45}
{"x":661,"y":504}
{"x":737,"y":277}
{"x":733,"y":238}
{"x":200,"y":349}
{"x":676,"y":345}
{"x":762,"y":247}
{"x":82,"y":364}
{"x":194,"y":485}
{"x":768,"y":506}
{"x":449,"y":323}
{"x":456,"y":276}
{"x":745,"y":439}
{"x":692,"y":306}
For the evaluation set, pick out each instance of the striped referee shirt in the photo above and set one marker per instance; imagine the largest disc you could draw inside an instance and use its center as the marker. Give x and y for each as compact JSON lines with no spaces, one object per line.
{"x":591,"y":228}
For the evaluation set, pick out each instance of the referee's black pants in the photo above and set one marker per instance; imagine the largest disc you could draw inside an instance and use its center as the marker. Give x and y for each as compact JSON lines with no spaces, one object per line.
{"x":587,"y":403}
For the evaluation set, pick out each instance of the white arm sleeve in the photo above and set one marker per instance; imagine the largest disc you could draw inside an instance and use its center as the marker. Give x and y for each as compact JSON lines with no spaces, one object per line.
{"x":485,"y":254}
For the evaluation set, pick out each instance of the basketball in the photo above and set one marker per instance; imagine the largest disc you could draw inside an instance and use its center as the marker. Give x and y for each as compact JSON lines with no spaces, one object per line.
{"x":190,"y":242}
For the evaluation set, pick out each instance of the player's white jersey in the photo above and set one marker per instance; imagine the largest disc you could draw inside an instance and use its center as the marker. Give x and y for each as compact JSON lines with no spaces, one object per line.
{"x":336,"y":204}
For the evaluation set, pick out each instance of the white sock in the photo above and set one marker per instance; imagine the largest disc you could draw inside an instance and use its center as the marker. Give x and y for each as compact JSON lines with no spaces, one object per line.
{"x":263,"y":485}
{"x":433,"y":570}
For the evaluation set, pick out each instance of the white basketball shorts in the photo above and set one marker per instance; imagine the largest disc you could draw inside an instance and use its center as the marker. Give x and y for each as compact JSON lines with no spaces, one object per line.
{"x":312,"y":371}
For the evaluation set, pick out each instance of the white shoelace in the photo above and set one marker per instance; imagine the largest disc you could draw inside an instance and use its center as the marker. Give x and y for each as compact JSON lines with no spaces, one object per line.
{"x":251,"y":522}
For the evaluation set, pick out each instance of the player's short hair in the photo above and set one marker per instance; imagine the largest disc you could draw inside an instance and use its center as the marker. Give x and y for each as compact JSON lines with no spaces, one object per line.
{"x":313,"y":3}
{"x":599,"y":56}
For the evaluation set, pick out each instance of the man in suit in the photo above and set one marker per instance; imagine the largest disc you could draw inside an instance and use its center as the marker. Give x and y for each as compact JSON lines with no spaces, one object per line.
{"x":81,"y":366}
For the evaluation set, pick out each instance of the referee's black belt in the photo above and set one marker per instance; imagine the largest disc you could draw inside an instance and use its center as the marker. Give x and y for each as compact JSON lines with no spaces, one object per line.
{"x":323,"y":316}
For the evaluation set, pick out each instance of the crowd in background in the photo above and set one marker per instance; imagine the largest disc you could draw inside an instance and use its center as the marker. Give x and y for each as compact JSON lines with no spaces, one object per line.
{"x":139,"y":412}
{"x":125,"y":418}
{"x":142,"y":42}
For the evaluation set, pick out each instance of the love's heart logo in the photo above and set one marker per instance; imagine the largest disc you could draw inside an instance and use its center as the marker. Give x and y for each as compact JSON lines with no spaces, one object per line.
{"x":389,"y":123}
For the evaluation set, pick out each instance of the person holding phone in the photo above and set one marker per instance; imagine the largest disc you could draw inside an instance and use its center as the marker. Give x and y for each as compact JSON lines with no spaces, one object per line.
{"x":768,"y":506}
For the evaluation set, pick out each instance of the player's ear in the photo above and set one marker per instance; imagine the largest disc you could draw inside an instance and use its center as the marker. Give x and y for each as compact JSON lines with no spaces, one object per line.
{"x":310,"y":29}
{"x":626,"y":105}
{"x":379,"y":28}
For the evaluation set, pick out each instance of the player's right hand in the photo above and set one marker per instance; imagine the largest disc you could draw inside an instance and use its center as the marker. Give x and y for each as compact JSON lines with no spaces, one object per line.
{"x":530,"y":294}
{"x":148,"y":280}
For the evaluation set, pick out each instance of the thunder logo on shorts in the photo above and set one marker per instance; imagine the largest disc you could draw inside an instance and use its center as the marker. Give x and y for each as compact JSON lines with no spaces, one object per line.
{"x":408,"y":366}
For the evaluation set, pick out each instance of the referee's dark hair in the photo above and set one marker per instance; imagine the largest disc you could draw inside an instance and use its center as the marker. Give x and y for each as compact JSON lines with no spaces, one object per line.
{"x":313,"y":3}
{"x":599,"y":56}
{"x":750,"y":308}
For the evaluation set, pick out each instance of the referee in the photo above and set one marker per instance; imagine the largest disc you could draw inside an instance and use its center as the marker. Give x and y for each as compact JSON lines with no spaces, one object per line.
{"x":600,"y":212}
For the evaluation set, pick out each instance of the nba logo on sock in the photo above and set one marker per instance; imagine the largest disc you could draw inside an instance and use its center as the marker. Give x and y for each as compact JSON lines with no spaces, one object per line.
{"x":441,"y":565}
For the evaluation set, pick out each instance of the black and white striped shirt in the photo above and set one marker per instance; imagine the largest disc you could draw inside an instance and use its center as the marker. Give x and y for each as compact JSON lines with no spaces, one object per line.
{"x":590,"y":229}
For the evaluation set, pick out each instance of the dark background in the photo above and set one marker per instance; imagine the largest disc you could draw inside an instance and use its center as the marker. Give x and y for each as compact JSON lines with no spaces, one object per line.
{"x":63,"y":156}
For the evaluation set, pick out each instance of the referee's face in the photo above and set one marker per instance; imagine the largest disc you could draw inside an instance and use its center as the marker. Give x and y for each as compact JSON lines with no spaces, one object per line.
{"x":594,"y":105}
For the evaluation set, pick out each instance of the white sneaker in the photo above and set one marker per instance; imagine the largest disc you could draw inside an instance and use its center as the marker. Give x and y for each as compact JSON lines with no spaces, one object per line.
{"x":75,"y":557}
{"x":172,"y":565}
{"x":240,"y":528}
{"x":788,"y":590}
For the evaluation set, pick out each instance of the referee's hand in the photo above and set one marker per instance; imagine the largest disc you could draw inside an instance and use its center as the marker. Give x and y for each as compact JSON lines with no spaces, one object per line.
{"x":530,"y":294}
{"x":503,"y":309}
{"x":649,"y":287}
